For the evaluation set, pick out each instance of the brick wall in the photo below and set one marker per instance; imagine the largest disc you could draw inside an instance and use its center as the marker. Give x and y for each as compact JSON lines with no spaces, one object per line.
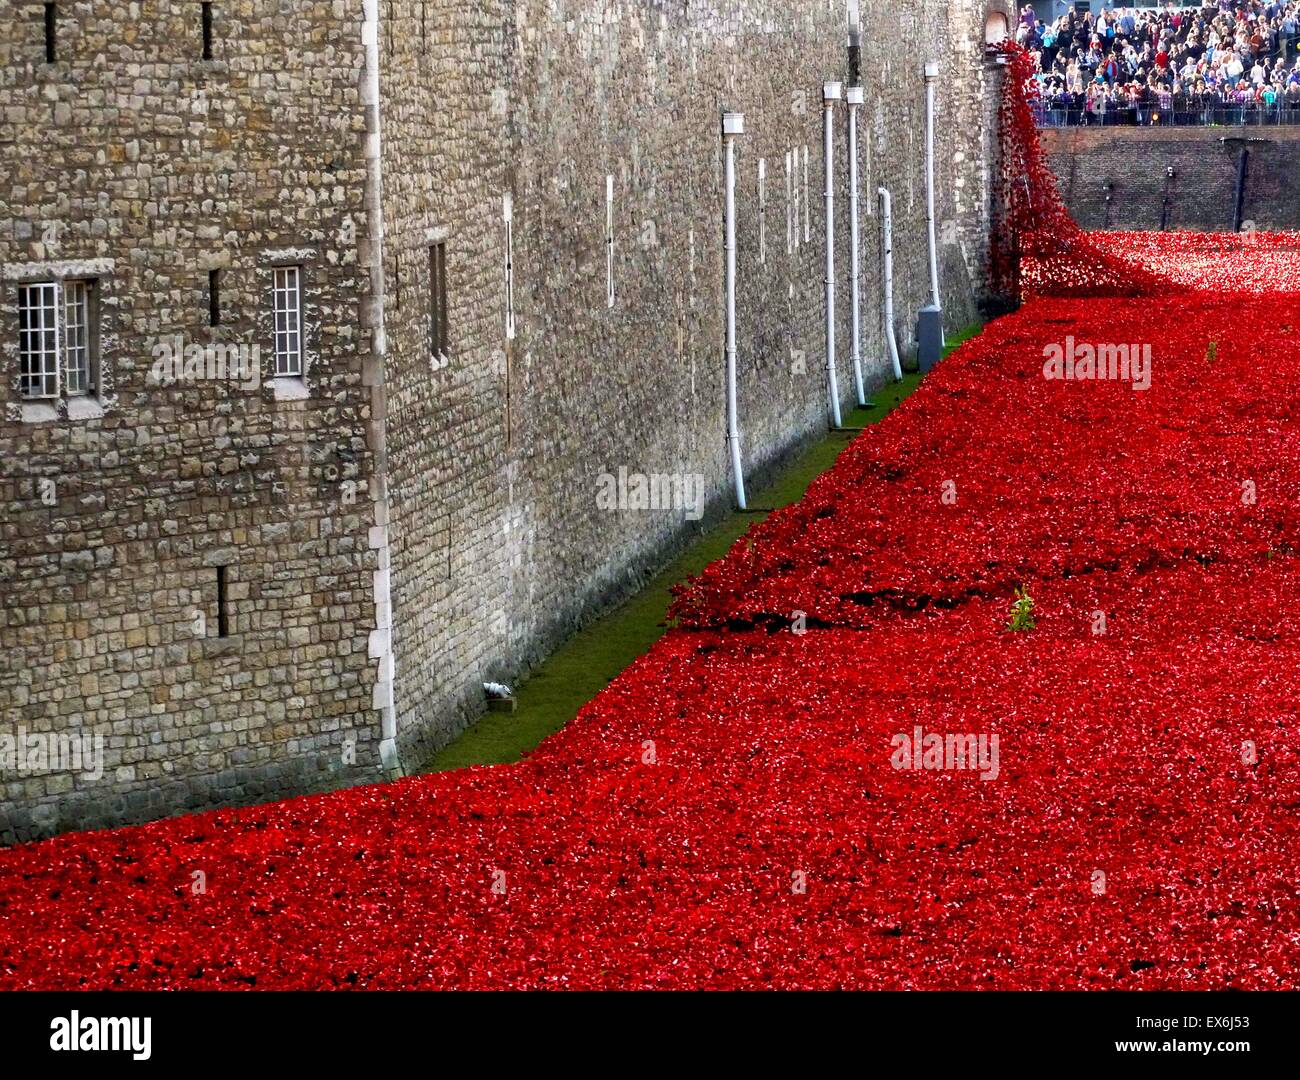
{"x":1130,"y":166}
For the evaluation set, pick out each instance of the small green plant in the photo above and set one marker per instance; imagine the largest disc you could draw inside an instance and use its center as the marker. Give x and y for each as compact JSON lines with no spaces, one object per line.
{"x":1022,"y":611}
{"x":1212,"y":353}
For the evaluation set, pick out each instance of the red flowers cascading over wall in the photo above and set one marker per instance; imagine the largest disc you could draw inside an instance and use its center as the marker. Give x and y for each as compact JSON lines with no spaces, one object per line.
{"x":1036,"y":248}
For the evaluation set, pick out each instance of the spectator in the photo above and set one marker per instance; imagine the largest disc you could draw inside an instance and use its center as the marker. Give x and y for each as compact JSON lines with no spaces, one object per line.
{"x":1228,"y":61}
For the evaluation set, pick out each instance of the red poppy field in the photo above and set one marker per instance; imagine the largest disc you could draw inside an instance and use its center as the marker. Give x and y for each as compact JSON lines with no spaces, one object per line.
{"x":733,"y":810}
{"x":1113,"y":799}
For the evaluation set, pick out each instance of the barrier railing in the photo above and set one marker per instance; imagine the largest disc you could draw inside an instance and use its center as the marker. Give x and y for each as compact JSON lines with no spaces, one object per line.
{"x":1178,"y":115}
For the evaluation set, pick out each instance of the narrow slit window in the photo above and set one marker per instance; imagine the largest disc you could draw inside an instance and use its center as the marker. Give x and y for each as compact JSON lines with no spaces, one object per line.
{"x":51,"y":33}
{"x":207,"y":31}
{"x":287,"y":305}
{"x":223,"y":607}
{"x":762,"y":210}
{"x":214,"y":297}
{"x":438,"y":334}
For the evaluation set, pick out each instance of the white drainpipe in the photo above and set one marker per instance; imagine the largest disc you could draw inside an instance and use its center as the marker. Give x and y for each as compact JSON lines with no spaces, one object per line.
{"x":854,"y":97}
{"x":830,"y":95}
{"x":931,"y":76}
{"x":381,"y":645}
{"x":733,"y":124}
{"x":887,"y":241}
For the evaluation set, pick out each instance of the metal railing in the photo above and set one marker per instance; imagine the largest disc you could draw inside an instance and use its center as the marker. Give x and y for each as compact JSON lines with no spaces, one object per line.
{"x":1176,"y":115}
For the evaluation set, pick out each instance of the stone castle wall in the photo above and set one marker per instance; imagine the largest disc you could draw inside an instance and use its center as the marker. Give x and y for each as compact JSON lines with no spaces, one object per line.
{"x":402,"y":527}
{"x":133,"y":159}
{"x":500,"y":548}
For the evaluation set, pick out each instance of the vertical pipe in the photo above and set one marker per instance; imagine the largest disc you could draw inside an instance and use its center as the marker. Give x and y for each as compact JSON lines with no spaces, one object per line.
{"x":887,"y":244}
{"x":830,"y":95}
{"x":931,"y":76}
{"x":855,"y":261}
{"x":733,"y":124}
{"x":1239,"y":196}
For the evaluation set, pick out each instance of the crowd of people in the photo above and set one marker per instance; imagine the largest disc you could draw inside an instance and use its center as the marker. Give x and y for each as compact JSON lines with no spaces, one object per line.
{"x":1229,"y":62}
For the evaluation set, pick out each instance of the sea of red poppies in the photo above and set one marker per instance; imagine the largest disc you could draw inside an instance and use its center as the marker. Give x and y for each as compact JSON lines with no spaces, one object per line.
{"x":842,"y":768}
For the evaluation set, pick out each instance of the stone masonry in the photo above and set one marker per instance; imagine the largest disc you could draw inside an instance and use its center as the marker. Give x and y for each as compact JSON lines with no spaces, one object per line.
{"x":241,"y":582}
{"x":1119,"y":177}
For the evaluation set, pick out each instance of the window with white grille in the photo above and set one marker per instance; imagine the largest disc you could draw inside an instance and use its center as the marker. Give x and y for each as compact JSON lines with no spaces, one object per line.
{"x":76,"y":343}
{"x":38,"y":340}
{"x":56,"y":339}
{"x":287,"y":305}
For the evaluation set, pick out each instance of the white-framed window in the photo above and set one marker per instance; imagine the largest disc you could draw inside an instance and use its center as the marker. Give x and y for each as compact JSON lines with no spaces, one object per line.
{"x":286,"y":297}
{"x":76,"y":344}
{"x":56,"y":339}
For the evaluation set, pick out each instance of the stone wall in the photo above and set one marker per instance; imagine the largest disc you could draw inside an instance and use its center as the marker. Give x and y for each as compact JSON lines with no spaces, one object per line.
{"x":500,"y":545}
{"x":403,"y":527}
{"x":1118,"y":177}
{"x":134,"y":161}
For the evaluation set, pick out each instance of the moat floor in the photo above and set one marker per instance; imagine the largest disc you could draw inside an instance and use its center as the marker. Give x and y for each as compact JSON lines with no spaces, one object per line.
{"x":1007,"y":700}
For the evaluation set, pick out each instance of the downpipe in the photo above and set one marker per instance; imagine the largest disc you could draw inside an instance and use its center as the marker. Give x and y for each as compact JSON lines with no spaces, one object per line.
{"x":931,"y":77}
{"x":887,"y":259}
{"x":855,"y":98}
{"x":733,"y":124}
{"x":830,"y":95}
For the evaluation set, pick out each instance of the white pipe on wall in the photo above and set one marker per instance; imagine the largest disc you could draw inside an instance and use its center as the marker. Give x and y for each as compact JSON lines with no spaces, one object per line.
{"x":855,"y":98}
{"x":830,"y":95}
{"x":733,"y":124}
{"x":382,"y":638}
{"x":931,"y":77}
{"x":887,"y":247}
